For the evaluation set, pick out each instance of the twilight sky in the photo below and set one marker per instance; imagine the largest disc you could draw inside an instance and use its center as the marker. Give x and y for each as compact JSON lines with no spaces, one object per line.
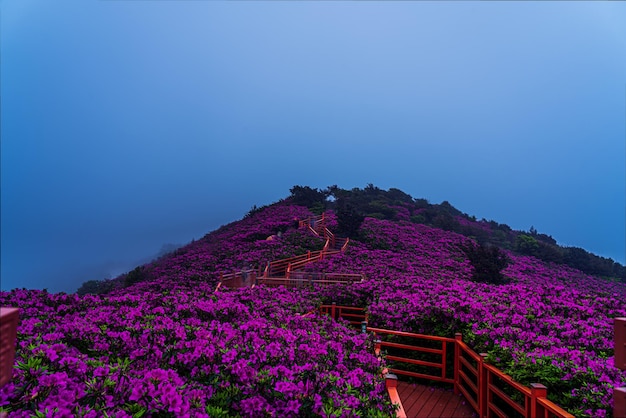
{"x":127,"y":125}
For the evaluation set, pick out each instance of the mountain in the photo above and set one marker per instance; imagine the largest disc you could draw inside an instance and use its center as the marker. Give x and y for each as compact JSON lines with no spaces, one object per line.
{"x":164,"y":341}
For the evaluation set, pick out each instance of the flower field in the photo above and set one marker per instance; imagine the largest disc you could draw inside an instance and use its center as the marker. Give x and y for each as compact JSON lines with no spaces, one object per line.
{"x":188,"y":352}
{"x":165,"y":344}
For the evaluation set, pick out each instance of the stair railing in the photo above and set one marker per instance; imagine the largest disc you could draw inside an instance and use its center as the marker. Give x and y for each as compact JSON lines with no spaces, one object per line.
{"x":483,"y":385}
{"x":619,"y":394}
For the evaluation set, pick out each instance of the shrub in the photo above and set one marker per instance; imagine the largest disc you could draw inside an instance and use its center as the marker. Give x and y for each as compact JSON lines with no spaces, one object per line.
{"x":488,"y":262}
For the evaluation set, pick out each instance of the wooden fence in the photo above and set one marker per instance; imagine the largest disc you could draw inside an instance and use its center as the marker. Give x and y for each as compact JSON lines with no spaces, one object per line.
{"x":288,"y":271}
{"x":306,"y":279}
{"x":490,"y":391}
{"x":299,"y":279}
{"x":354,"y":315}
{"x":619,"y":394}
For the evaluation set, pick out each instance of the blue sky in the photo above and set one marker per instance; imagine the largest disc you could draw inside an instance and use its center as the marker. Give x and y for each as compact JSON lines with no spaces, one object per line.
{"x":127,"y":125}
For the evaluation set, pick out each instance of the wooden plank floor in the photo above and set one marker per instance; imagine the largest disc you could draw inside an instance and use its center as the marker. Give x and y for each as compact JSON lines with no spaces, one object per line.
{"x":422,"y":401}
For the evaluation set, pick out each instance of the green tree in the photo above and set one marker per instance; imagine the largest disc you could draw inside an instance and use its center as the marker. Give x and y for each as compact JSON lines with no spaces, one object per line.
{"x":306,"y":196}
{"x":488,"y":262}
{"x":349,"y":220}
{"x":94,"y":287}
{"x":526,"y":244}
{"x":134,"y":276}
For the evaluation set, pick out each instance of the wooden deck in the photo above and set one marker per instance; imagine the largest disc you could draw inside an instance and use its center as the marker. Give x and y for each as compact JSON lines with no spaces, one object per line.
{"x":422,"y":401}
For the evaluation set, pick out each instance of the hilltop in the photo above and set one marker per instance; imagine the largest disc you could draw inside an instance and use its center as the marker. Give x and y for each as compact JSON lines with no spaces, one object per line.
{"x":429,"y":269}
{"x":205,"y":259}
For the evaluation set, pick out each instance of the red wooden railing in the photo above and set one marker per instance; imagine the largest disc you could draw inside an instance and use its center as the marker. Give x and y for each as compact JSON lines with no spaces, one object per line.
{"x":490,"y":391}
{"x":286,"y":272}
{"x":352,"y":314}
{"x":444,"y":375}
{"x":281,"y":268}
{"x":619,"y":394}
{"x":391,"y":384}
{"x":317,"y":224}
{"x":299,"y":279}
{"x":304,"y":279}
{"x":8,"y":333}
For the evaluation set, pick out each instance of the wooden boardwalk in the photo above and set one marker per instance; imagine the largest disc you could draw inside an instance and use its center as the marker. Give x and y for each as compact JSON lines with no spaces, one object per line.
{"x":421,"y":401}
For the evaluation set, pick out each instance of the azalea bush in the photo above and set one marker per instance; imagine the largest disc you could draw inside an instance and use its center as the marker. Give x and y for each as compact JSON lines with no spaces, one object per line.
{"x":188,"y":352}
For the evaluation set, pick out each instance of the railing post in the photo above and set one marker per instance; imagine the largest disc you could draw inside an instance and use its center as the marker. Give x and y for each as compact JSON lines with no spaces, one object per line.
{"x":537,"y":390}
{"x":620,"y":343}
{"x":363,"y":327}
{"x":391,"y":383}
{"x":619,"y":399}
{"x":619,"y":394}
{"x":332,"y":310}
{"x":444,"y":358}
{"x":458,"y":337}
{"x":391,"y":380}
{"x":9,"y":318}
{"x":483,"y":386}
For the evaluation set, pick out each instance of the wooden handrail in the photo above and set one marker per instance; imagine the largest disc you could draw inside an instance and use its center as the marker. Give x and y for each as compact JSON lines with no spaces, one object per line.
{"x":410,"y":334}
{"x":619,"y":394}
{"x":543,"y":408}
{"x":391,"y":384}
{"x":494,"y":391}
{"x":442,"y":376}
{"x":291,"y":282}
{"x":481,"y":383}
{"x":620,"y":343}
{"x":238,"y":279}
{"x":354,"y":315}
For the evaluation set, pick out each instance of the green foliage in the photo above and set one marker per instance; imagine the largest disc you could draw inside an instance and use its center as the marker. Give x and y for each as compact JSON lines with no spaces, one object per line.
{"x":552,"y":373}
{"x":398,"y":196}
{"x":135,"y":410}
{"x":445,"y":221}
{"x":488,"y":262}
{"x":349,"y":220}
{"x":421,"y":203}
{"x":134,"y":276}
{"x":380,"y":209}
{"x":373,"y":241}
{"x":254,"y":210}
{"x":311,"y":198}
{"x":526,"y":244}
{"x":220,"y":404}
{"x":549,"y":252}
{"x":95,"y":287}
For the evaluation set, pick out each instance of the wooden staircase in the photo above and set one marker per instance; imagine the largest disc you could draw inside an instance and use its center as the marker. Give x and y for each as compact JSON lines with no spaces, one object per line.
{"x":289,"y":272}
{"x":487,"y":390}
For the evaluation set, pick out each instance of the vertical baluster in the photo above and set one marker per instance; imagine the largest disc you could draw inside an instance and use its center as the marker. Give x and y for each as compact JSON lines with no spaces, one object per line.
{"x":537,"y":390}
{"x":483,"y":386}
{"x":458,"y":338}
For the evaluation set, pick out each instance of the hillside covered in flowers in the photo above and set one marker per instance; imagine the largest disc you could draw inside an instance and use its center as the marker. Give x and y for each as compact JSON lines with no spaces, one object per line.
{"x":160,"y":341}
